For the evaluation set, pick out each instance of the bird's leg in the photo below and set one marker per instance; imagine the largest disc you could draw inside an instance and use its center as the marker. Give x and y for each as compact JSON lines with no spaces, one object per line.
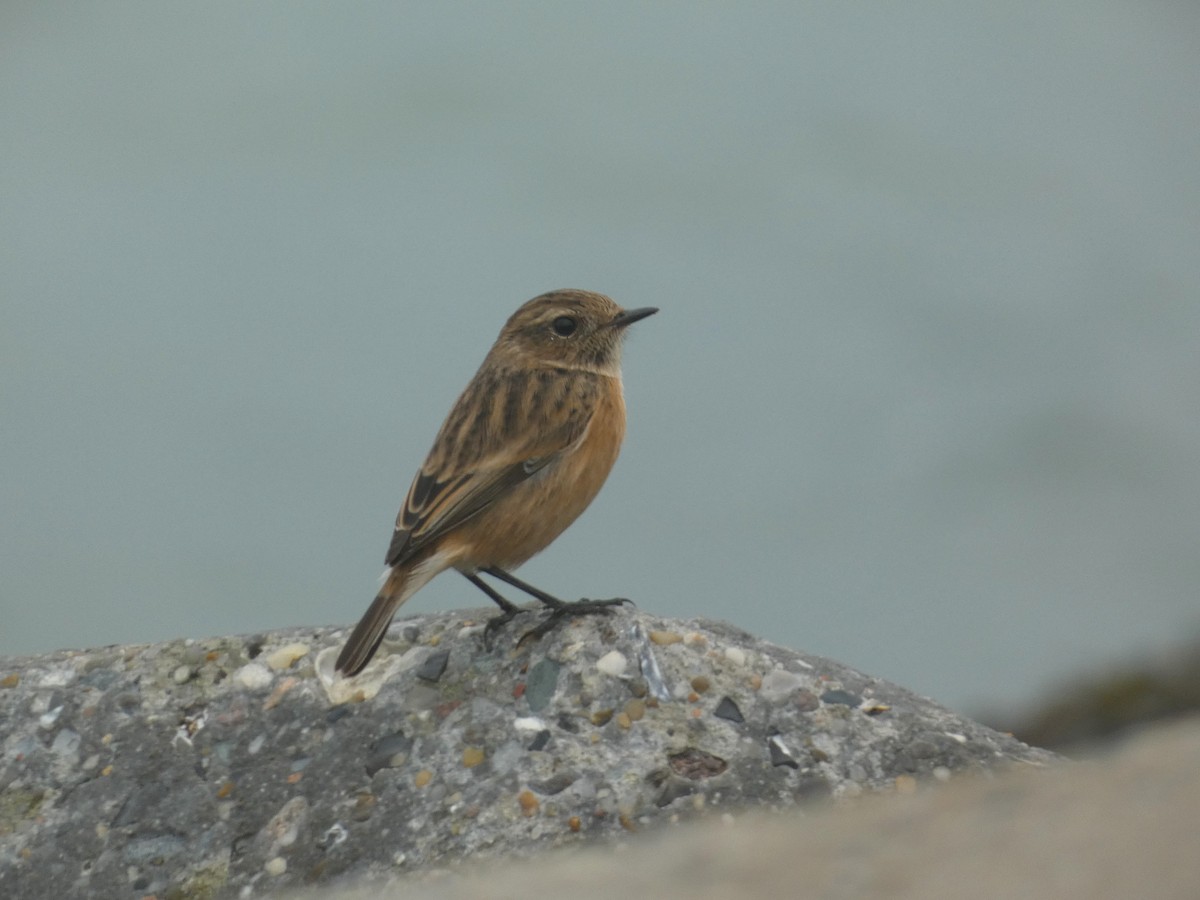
{"x":559,"y":609}
{"x":507,"y":606}
{"x":508,"y":609}
{"x":538,"y":594}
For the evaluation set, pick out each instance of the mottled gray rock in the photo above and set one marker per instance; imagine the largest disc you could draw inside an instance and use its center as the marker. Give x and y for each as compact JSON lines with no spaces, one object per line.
{"x":1115,"y":828}
{"x":238,"y":766}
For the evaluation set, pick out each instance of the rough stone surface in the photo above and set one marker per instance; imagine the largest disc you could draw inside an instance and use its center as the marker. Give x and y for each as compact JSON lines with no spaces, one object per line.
{"x":240,"y":766}
{"x":1120,"y":827}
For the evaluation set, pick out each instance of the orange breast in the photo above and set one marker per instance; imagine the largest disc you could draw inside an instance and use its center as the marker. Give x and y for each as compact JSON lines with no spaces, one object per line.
{"x":534,"y":513}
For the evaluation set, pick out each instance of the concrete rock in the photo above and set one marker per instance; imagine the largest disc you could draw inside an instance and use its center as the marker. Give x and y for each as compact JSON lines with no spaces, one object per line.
{"x":1113,"y":828}
{"x":240,"y":766}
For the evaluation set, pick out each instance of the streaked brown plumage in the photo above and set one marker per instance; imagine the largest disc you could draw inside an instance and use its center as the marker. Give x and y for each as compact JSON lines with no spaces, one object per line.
{"x":525,"y":449}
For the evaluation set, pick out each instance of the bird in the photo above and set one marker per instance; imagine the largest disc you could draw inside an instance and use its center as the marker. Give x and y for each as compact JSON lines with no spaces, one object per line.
{"x":523,"y":451}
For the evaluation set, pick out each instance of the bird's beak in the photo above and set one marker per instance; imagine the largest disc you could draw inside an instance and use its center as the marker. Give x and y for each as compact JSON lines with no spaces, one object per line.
{"x":629,"y":316}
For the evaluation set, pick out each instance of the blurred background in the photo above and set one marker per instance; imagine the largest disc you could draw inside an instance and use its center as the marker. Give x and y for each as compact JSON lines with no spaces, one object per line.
{"x":923,"y":395}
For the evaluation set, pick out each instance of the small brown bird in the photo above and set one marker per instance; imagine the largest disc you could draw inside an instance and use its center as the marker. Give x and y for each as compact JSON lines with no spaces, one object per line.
{"x":525,"y":449}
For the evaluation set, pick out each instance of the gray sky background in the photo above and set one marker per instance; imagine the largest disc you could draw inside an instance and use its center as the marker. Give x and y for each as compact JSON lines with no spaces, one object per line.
{"x":922,"y":396}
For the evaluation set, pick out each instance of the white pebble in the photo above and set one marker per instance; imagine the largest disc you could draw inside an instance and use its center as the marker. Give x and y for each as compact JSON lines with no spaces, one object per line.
{"x":612,"y":663}
{"x":529,"y":723}
{"x":181,"y":674}
{"x":276,"y":866}
{"x":285,"y":656}
{"x":253,"y":676}
{"x":736,"y":655}
{"x":778,"y":683}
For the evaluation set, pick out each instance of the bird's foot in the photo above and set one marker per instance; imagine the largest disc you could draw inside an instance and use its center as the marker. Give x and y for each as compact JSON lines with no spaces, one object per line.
{"x":498,"y":621}
{"x":564,"y":610}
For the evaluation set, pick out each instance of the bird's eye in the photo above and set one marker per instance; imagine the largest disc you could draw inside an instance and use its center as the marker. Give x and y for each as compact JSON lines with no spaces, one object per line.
{"x":564,"y":326}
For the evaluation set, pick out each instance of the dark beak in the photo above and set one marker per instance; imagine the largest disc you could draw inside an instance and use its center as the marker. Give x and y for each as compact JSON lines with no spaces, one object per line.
{"x":629,"y":316}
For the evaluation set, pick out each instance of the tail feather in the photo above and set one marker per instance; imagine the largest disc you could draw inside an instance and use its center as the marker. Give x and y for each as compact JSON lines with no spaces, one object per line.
{"x":368,"y":633}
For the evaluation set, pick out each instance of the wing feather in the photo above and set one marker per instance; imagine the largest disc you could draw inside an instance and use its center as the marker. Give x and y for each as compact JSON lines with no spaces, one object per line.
{"x":476,"y":460}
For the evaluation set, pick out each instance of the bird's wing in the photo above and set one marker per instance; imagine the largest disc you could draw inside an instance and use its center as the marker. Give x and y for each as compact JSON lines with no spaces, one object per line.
{"x":466,"y":472}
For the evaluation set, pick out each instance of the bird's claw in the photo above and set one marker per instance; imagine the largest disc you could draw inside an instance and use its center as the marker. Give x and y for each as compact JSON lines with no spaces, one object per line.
{"x":557,"y":614}
{"x":495,"y":623}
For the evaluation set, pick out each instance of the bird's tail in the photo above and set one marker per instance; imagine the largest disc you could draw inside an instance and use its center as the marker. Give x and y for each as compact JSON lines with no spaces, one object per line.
{"x":369,"y":632}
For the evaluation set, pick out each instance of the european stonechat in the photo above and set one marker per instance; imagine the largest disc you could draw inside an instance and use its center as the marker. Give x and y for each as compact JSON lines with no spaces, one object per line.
{"x":525,"y":449}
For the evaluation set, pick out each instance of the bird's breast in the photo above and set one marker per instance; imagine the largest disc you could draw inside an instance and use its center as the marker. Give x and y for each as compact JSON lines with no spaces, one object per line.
{"x":535,"y":512}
